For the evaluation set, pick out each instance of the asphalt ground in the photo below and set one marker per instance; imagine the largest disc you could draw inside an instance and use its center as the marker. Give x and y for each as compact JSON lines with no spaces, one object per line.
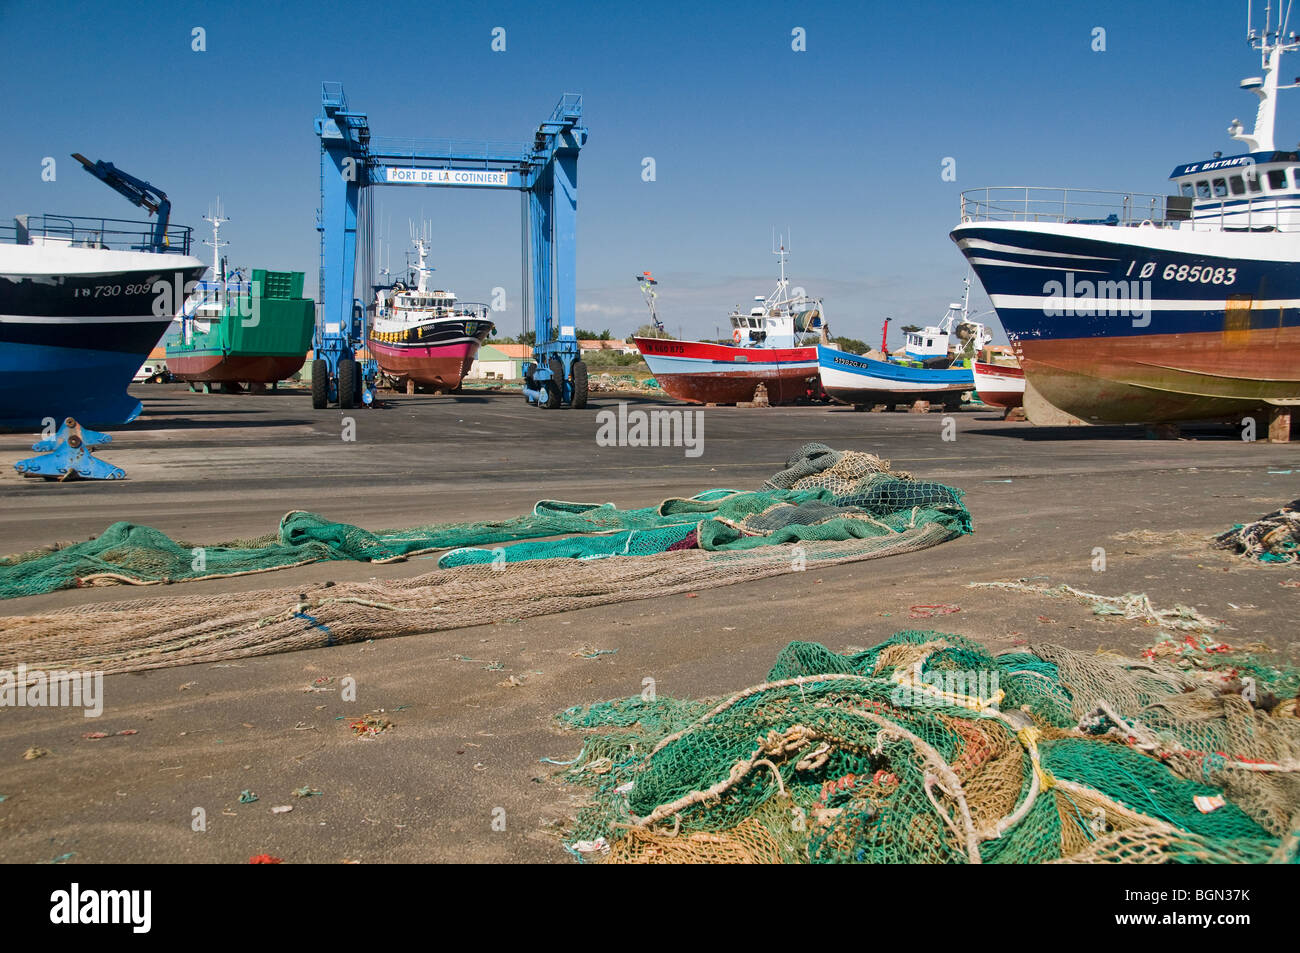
{"x":465,"y":747}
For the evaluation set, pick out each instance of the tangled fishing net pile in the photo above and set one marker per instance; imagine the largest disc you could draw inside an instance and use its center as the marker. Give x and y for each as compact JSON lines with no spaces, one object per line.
{"x":1273,"y":538}
{"x":821,"y":495}
{"x":927,"y":749}
{"x":823,"y":508}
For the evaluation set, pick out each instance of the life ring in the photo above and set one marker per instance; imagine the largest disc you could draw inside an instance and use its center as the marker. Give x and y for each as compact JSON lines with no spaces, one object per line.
{"x":735,"y":335}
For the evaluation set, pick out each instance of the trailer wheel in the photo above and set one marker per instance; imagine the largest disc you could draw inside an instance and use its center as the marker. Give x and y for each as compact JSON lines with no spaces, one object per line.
{"x":347,"y":383}
{"x":579,"y":385}
{"x":320,"y":384}
{"x":555,"y":386}
{"x":529,"y":383}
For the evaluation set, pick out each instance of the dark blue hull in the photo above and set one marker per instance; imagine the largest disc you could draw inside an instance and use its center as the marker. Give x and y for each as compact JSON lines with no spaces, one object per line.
{"x":66,"y":351}
{"x":1110,"y":288}
{"x":1113,"y":330}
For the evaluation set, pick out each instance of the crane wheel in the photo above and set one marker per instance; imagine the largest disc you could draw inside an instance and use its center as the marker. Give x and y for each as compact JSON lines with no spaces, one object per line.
{"x":348,"y":389}
{"x":555,"y":386}
{"x":552,"y":388}
{"x":529,"y":383}
{"x":320,"y":384}
{"x":580,"y":386}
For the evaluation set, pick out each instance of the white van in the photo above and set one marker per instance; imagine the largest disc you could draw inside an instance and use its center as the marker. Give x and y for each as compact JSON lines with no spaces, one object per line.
{"x":153,"y":372}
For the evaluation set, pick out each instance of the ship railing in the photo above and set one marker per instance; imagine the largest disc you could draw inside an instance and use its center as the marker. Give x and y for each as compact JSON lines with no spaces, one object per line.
{"x":569,"y":107}
{"x":1073,"y":206}
{"x":1259,"y":214}
{"x":210,"y":292}
{"x":81,"y":232}
{"x":441,"y":153}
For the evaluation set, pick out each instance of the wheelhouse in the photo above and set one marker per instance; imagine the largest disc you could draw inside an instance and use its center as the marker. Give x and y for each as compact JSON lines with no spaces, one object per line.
{"x":1259,"y":191}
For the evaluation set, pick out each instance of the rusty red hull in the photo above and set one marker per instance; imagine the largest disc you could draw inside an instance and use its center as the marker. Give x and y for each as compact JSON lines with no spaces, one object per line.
{"x":240,"y":368}
{"x":783,"y":386}
{"x":704,"y":373}
{"x":1166,"y":376}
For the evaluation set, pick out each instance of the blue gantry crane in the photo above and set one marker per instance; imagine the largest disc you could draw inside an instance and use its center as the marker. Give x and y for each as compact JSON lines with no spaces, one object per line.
{"x":544,"y":171}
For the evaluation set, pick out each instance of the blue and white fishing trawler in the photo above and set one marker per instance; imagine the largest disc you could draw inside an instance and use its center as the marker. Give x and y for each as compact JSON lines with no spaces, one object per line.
{"x":82,"y":303}
{"x":929,"y":368}
{"x":1137,"y":308}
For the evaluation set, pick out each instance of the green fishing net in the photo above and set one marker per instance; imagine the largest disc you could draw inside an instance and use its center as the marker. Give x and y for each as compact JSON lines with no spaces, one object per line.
{"x":822,"y":495}
{"x":929,"y":749}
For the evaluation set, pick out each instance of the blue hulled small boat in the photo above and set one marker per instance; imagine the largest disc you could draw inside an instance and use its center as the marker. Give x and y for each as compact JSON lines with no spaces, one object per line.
{"x":928,"y":369}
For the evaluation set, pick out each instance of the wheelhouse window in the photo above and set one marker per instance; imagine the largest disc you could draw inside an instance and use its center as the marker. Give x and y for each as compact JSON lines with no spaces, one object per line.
{"x":1220,"y":188}
{"x":1252,"y":181}
{"x":1202,"y":190}
{"x":1187,"y":189}
{"x":1237,"y":185}
{"x":1276,"y":179}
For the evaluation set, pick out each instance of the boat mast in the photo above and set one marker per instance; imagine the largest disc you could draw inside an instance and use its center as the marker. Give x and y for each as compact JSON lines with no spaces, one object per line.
{"x":646,"y":282}
{"x":1272,"y":43}
{"x":217,"y":220}
{"x":779,"y":296}
{"x":423,"y":271}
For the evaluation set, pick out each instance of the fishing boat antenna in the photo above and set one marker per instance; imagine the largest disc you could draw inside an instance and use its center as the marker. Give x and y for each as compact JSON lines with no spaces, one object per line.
{"x":217,"y":220}
{"x":647,"y":283}
{"x":782,"y":251}
{"x":1271,"y":43}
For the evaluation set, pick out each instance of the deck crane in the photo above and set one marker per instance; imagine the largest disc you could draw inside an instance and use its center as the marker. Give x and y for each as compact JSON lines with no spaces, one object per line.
{"x":544,"y":171}
{"x":138,"y":192}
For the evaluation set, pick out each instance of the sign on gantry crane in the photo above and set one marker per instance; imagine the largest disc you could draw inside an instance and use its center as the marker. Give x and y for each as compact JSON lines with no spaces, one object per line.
{"x":545,"y":171}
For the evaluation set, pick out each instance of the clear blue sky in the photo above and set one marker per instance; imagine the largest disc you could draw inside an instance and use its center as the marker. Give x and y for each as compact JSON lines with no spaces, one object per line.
{"x":841,"y":144}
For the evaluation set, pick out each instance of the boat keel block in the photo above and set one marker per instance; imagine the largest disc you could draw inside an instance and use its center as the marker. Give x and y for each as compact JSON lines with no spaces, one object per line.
{"x":69,"y":455}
